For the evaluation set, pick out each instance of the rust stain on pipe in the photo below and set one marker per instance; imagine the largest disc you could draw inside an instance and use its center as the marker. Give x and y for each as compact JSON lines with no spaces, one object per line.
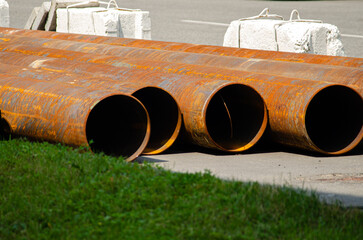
{"x":74,"y":116}
{"x":164,"y":113}
{"x":287,"y":99}
{"x":344,"y":75}
{"x":194,"y":48}
{"x":200,"y":102}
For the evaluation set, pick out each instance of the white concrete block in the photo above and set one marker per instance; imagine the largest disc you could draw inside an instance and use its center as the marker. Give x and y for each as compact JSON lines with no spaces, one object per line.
{"x":133,"y":24}
{"x":290,"y":36}
{"x":304,"y":37}
{"x":41,"y":18}
{"x":143,"y":21}
{"x":4,"y":14}
{"x":52,"y":18}
{"x":334,"y":44}
{"x":32,"y":18}
{"x":77,"y":20}
{"x":105,"y":22}
{"x":231,"y":37}
{"x":253,"y":34}
{"x":128,"y":24}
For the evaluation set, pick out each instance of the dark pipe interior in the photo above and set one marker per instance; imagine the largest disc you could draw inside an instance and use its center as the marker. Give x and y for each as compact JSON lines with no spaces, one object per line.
{"x":117,"y":126}
{"x":164,"y":116}
{"x":4,"y":129}
{"x":334,"y":118}
{"x":234,"y":116}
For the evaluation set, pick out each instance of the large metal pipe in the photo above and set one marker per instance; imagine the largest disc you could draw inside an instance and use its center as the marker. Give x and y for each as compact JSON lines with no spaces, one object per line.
{"x":193,"y":48}
{"x":344,"y":75}
{"x":287,"y":99}
{"x":208,"y":106}
{"x":164,"y":113}
{"x":74,"y":116}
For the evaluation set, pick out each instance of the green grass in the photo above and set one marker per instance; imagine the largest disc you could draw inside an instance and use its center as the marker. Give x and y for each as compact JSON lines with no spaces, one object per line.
{"x":55,"y":192}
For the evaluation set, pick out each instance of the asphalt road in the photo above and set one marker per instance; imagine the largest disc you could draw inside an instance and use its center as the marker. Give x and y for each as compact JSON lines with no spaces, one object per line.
{"x":204,"y":22}
{"x":168,"y":17}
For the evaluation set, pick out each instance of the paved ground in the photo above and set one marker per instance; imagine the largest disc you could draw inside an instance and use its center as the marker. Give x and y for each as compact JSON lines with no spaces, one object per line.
{"x":333,"y":177}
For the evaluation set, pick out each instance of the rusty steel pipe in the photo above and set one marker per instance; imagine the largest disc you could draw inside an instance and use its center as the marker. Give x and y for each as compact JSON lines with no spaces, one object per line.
{"x":207,"y":106}
{"x":344,"y":75}
{"x":287,"y":98}
{"x":351,"y":77}
{"x":193,"y":48}
{"x":164,"y":114}
{"x":74,"y":116}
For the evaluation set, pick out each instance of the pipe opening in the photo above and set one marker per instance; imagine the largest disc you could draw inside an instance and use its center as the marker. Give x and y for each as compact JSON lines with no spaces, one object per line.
{"x":118,"y":126}
{"x":165,"y":118}
{"x":236,"y":117}
{"x":5,"y":129}
{"x":334,"y":119}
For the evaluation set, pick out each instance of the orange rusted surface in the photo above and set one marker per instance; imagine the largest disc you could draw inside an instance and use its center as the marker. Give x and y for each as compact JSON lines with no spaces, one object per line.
{"x":74,"y":116}
{"x":208,"y":106}
{"x":164,"y":113}
{"x":344,"y":75}
{"x":194,"y":48}
{"x":287,"y":99}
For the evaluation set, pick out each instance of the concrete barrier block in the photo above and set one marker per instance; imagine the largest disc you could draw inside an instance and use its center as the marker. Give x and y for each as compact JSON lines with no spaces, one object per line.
{"x":253,"y":34}
{"x":286,"y":36}
{"x":144,"y":24}
{"x":4,"y":14}
{"x":52,"y":17}
{"x":105,"y":22}
{"x":39,"y":21}
{"x":32,"y":18}
{"x":135,"y":24}
{"x":315,"y":38}
{"x":77,"y":20}
{"x":231,"y":37}
{"x":128,"y":24}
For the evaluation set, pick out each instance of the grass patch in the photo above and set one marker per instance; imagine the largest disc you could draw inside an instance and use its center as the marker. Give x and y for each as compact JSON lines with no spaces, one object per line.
{"x":55,"y":192}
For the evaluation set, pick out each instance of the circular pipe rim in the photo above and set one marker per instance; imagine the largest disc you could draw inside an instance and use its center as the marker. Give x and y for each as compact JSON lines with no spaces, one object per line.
{"x":353,"y":143}
{"x":176,"y":131}
{"x":261,"y":130}
{"x":144,"y":142}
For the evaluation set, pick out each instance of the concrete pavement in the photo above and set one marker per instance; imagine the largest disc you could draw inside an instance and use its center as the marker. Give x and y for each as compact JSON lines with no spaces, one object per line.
{"x":335,"y":178}
{"x":167,"y":17}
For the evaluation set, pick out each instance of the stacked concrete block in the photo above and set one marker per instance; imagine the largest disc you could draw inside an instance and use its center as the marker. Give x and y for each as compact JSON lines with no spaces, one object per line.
{"x":87,"y":17}
{"x":51,"y":21}
{"x":316,"y":38}
{"x":287,"y":36}
{"x":41,"y":18}
{"x":32,"y":18}
{"x":105,"y":22}
{"x":253,"y":34}
{"x":4,"y":14}
{"x":77,"y":20}
{"x":128,"y":24}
